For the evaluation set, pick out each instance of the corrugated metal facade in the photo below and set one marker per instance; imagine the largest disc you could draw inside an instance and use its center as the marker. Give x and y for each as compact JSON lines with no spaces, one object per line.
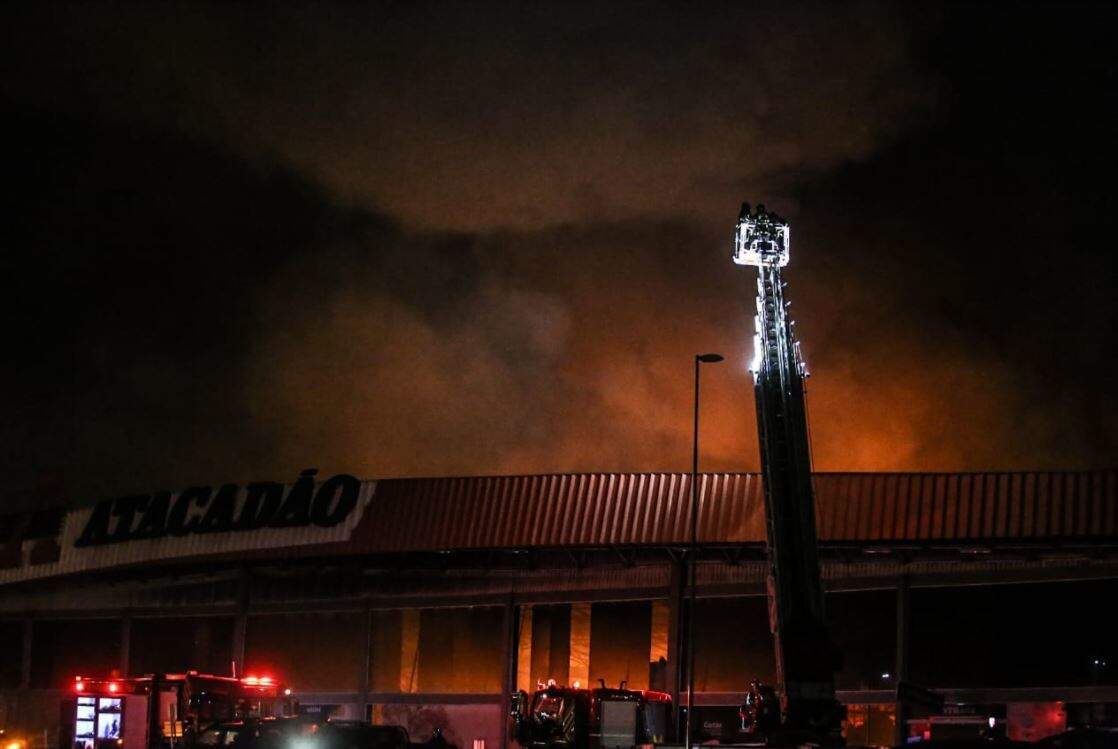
{"x":647,"y":509}
{"x":967,"y":506}
{"x":621,"y":510}
{"x":605,"y":509}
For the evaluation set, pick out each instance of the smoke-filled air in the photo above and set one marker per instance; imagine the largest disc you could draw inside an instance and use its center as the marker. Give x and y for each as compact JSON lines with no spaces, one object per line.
{"x":429,"y":239}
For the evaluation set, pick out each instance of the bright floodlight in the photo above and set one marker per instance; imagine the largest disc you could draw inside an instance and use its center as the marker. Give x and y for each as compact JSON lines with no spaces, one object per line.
{"x":761,"y":239}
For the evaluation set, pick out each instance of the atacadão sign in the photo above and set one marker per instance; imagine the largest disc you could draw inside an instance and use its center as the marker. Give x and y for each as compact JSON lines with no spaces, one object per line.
{"x":228,"y":509}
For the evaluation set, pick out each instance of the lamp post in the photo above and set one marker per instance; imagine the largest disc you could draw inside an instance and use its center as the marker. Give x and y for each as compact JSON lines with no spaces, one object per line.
{"x":700,"y":359}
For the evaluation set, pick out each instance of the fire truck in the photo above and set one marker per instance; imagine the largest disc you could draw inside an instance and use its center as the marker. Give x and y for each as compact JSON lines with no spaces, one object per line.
{"x":556,"y":717}
{"x":162,"y":711}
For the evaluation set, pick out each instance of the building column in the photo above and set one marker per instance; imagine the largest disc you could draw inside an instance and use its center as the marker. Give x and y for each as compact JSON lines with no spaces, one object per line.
{"x":25,"y":654}
{"x":524,"y":650}
{"x":541,"y":651}
{"x":580,"y":645}
{"x":511,"y":626}
{"x":126,"y":646}
{"x":409,"y":650}
{"x":240,"y":624}
{"x":676,"y":654}
{"x":901,"y":673}
{"x":364,"y":685}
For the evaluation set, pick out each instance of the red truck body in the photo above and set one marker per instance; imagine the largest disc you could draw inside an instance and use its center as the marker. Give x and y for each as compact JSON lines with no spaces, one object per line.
{"x":163,"y":710}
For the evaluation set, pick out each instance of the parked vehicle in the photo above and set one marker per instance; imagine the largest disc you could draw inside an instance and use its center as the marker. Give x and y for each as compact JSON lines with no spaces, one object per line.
{"x":565,"y":717}
{"x":162,"y":711}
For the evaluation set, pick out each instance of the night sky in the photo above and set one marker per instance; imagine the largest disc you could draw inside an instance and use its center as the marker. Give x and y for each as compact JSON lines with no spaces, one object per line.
{"x":425,"y":239}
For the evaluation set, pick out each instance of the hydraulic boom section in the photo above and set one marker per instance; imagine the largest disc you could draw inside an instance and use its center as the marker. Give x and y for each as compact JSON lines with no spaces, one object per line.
{"x":805,"y":657}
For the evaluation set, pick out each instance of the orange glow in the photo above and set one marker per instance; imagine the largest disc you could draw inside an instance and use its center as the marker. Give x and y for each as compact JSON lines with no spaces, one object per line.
{"x":79,"y":686}
{"x":114,"y":687}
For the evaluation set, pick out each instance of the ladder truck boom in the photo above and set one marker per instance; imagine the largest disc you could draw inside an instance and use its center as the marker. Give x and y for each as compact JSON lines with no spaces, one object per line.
{"x":805,"y":658}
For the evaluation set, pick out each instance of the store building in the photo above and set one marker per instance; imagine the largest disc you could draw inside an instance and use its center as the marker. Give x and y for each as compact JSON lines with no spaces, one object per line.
{"x":425,"y":602}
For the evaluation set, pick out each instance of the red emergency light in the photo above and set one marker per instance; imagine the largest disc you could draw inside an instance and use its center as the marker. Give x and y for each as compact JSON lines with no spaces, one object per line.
{"x":82,"y":685}
{"x":264,"y":681}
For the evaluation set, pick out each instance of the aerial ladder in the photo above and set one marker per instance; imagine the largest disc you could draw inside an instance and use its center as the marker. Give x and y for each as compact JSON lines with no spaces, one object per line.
{"x":806,"y":711}
{"x":805,"y":656}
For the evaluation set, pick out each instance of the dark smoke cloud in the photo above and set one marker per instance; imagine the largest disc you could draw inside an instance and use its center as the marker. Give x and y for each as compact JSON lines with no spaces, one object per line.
{"x":426,"y":239}
{"x":472,"y":116}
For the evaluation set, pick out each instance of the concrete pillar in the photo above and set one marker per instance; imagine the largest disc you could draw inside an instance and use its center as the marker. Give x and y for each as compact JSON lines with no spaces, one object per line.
{"x":580,"y":645}
{"x":409,"y":650}
{"x":511,"y":629}
{"x":126,"y":646}
{"x":364,"y":679}
{"x":541,"y":650}
{"x":901,"y":673}
{"x":676,"y":654}
{"x":524,"y":651}
{"x":240,"y":633}
{"x":25,"y":654}
{"x":240,"y":623}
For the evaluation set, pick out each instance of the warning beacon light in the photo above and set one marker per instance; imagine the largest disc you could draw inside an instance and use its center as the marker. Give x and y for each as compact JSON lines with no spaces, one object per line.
{"x":761,"y":238}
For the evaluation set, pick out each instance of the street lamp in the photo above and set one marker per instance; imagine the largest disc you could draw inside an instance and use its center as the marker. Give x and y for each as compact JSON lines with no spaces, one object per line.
{"x":694,"y":546}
